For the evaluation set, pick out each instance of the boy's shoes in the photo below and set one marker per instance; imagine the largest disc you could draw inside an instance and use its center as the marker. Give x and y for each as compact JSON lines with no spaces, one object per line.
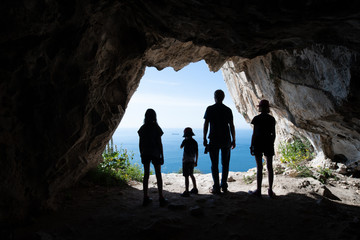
{"x":146,"y":201}
{"x":225,"y":190}
{"x":255,"y":193}
{"x":185,"y":194}
{"x":163,"y":202}
{"x":194,"y":191}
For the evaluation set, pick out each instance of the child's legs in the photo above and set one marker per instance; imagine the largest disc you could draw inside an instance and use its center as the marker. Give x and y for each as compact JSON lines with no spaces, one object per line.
{"x":193,"y":180}
{"x":269,"y":166}
{"x":146,"y":178}
{"x":158,"y":178}
{"x":259,"y":167}
{"x":187,"y":183}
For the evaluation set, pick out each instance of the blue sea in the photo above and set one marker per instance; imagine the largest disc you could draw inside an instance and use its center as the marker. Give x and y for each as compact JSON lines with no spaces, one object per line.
{"x":240,"y":160}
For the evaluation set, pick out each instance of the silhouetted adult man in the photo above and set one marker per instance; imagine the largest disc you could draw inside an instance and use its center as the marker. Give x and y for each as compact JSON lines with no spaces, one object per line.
{"x":220,"y":119}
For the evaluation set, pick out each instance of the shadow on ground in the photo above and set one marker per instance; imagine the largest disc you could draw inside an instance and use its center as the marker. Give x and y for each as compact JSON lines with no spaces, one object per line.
{"x":93,"y":212}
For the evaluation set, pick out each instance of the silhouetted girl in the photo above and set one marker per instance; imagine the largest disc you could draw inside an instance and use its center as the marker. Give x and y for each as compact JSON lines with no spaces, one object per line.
{"x":151,"y":150}
{"x":262,"y":143}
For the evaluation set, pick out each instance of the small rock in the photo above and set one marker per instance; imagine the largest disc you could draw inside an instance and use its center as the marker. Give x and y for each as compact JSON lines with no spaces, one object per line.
{"x":231,"y":179}
{"x":304,"y":184}
{"x":328,"y":194}
{"x":342,"y":169}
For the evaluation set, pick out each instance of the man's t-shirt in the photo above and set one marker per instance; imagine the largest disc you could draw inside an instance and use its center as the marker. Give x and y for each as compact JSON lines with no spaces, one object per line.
{"x":220,"y":117}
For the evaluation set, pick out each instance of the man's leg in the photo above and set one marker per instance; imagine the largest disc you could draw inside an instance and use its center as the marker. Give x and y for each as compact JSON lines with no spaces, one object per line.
{"x":214,"y":156}
{"x":225,"y":161}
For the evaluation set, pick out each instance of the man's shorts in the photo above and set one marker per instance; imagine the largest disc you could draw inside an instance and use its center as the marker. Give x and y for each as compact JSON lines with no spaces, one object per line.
{"x":148,"y":158}
{"x":188,"y":168}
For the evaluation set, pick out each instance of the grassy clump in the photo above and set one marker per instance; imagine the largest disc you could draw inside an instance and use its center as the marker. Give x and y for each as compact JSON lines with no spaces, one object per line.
{"x":296,"y":153}
{"x":249,"y":178}
{"x":116,"y":167}
{"x":325,"y":174}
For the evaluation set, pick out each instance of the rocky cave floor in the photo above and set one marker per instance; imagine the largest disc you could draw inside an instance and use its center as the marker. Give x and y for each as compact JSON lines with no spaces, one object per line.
{"x":303,"y":209}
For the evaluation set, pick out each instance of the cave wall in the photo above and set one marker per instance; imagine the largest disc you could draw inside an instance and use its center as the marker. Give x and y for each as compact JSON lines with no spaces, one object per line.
{"x":310,"y":93}
{"x":69,"y":68}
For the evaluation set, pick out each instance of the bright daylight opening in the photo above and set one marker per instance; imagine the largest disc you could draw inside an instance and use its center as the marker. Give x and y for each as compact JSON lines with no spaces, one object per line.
{"x":180,"y":100}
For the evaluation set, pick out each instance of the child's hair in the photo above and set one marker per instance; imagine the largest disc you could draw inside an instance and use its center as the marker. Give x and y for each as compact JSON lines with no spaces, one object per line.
{"x":150,"y":116}
{"x":265,"y":106}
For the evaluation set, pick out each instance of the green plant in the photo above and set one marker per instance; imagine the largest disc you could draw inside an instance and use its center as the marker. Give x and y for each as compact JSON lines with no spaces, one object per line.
{"x":303,"y":171}
{"x":249,"y":178}
{"x":295,"y":152}
{"x":325,"y":174}
{"x":116,"y":167}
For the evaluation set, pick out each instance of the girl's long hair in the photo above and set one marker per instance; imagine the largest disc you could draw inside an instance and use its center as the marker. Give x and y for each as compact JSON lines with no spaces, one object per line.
{"x":150,"y":116}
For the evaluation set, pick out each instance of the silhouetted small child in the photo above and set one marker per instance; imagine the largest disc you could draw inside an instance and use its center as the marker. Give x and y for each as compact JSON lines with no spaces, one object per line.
{"x":262,"y":143}
{"x":190,"y":159}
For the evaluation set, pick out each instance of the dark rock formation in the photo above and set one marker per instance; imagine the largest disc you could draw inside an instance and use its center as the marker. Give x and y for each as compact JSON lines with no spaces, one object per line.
{"x":69,"y":68}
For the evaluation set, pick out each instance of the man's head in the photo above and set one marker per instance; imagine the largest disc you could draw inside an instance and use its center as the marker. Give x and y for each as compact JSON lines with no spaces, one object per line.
{"x":219,"y":96}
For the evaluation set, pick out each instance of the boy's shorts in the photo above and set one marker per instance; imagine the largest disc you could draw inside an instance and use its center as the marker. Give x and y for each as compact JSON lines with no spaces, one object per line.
{"x":268,"y":151}
{"x":188,"y":169}
{"x":148,"y":158}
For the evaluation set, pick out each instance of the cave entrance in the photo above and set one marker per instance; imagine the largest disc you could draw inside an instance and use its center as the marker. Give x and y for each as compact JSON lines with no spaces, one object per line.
{"x":180,"y":100}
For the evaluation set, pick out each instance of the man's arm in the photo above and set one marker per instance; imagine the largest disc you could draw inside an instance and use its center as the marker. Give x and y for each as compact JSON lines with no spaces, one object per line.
{"x":232,"y":131}
{"x":206,"y":128}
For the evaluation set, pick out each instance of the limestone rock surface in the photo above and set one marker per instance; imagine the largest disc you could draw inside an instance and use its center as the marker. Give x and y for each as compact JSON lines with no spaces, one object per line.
{"x":310,"y":93}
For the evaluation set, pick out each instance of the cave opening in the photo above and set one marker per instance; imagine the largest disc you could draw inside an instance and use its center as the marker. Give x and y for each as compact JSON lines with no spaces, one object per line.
{"x":180,"y":99}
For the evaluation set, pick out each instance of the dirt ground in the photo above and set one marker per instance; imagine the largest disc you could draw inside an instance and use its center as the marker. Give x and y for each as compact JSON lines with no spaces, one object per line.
{"x":303,"y":209}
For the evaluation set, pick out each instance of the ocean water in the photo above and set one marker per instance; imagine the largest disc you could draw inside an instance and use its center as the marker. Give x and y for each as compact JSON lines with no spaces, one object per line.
{"x":240,"y":160}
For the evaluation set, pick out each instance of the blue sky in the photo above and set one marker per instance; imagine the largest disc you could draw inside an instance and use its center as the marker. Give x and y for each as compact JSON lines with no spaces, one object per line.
{"x":179,"y":98}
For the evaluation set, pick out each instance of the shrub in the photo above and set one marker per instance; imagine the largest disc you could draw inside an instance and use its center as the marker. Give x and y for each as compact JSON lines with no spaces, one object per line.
{"x":116,"y":167}
{"x":295,"y":152}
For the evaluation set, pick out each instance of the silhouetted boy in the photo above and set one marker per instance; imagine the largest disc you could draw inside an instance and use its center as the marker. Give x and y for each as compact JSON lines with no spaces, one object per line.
{"x":262,"y":143}
{"x":151,"y":150}
{"x":190,"y":159}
